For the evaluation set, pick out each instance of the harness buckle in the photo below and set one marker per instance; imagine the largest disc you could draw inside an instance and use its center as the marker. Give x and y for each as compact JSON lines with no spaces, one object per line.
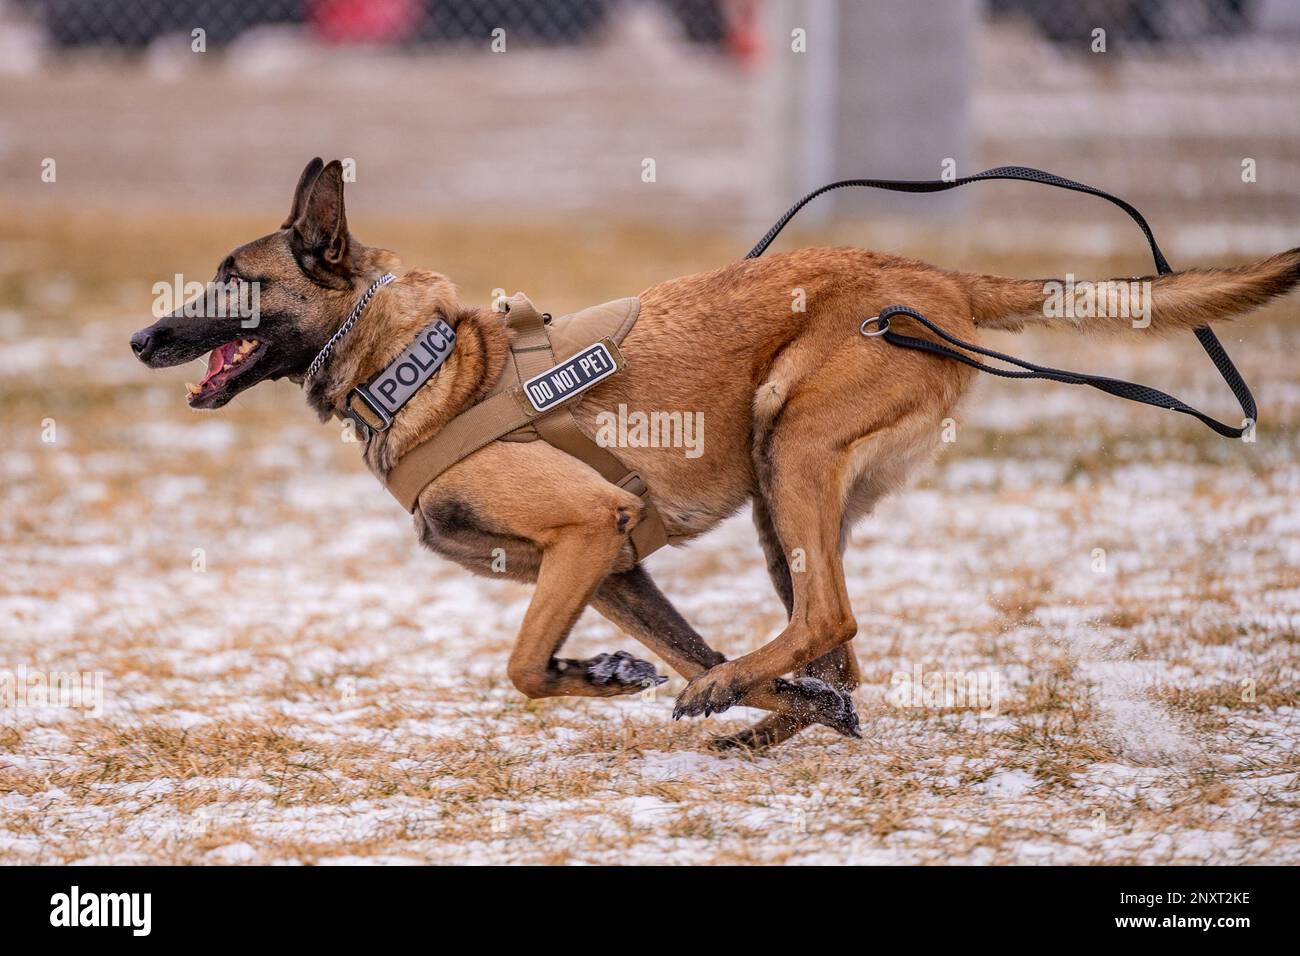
{"x":382,"y":419}
{"x":634,"y":483}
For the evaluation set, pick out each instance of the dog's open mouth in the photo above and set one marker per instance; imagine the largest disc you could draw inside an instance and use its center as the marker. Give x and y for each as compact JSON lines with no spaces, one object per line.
{"x":226,"y":364}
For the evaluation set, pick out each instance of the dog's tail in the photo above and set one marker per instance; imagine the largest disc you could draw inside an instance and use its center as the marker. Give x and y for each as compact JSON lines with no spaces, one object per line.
{"x":1163,"y":304}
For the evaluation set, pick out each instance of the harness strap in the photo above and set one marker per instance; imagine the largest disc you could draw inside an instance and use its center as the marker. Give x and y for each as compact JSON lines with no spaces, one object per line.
{"x":491,"y":419}
{"x":533,"y":355}
{"x":1132,"y":391}
{"x":509,"y":411}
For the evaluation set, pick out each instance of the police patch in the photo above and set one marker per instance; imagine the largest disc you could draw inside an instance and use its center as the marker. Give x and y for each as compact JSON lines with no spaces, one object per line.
{"x":406,"y":374}
{"x":574,"y":375}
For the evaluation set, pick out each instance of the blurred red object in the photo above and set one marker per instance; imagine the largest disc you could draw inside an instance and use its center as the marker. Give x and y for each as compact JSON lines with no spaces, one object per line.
{"x":364,"y":21}
{"x":744,"y":38}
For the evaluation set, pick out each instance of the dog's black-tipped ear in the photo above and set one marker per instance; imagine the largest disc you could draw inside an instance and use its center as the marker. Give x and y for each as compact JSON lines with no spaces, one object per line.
{"x":319,"y":235}
{"x":305,"y":182}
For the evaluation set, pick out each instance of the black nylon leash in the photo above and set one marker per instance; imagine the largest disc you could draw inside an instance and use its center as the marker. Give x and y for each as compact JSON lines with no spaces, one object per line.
{"x":1130,"y":390}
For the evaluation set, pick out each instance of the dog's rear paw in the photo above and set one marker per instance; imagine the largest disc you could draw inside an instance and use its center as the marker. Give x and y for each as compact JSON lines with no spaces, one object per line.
{"x":823,"y":704}
{"x":768,"y":732}
{"x":621,"y":669}
{"x":812,"y":701}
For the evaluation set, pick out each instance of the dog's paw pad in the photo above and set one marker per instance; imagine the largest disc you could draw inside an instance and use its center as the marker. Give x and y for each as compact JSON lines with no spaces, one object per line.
{"x":624,"y":669}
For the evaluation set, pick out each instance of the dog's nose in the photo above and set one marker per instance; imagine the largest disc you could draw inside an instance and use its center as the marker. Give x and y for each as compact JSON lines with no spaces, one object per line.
{"x":142,"y":344}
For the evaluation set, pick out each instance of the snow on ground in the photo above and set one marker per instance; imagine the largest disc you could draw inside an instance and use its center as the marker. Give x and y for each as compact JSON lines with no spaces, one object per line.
{"x":288,"y":678}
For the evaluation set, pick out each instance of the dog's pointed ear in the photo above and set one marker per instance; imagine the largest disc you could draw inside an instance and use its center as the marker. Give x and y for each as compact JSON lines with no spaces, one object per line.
{"x":319,"y":234}
{"x":305,"y":182}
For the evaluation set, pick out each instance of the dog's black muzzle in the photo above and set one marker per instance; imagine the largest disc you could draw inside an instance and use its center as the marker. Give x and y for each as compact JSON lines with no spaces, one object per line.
{"x":177,"y":339}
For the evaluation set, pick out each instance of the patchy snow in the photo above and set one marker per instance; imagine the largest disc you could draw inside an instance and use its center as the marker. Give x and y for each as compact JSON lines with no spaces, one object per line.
{"x":1010,"y":784}
{"x":288,"y":678}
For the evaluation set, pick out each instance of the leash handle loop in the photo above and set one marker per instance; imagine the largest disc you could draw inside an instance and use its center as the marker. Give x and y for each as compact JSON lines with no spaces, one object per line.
{"x":1023,"y":173}
{"x":1130,"y":390}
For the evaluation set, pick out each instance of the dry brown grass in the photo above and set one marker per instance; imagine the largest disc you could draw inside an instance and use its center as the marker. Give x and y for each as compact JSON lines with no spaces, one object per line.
{"x":325,"y":691}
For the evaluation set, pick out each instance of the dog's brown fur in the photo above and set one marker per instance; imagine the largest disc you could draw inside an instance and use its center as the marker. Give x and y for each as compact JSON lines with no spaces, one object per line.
{"x":808,"y":421}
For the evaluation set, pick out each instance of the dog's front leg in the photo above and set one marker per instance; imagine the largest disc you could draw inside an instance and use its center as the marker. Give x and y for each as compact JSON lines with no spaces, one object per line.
{"x":632,"y":601}
{"x":534,"y":513}
{"x":573,"y":563}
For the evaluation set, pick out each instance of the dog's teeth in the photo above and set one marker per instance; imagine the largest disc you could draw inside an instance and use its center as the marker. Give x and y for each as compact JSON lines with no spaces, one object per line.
{"x":192,"y":388}
{"x":226,"y":367}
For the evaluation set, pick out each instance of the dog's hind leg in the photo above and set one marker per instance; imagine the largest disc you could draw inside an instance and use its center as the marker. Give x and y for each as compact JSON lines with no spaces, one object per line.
{"x":632,"y":601}
{"x":805,"y":516}
{"x":810,"y":452}
{"x":837,"y":669}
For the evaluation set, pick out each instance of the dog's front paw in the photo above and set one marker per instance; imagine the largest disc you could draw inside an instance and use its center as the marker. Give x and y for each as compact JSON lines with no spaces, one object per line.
{"x":711,"y":693}
{"x":623,"y":670}
{"x":824,"y":704}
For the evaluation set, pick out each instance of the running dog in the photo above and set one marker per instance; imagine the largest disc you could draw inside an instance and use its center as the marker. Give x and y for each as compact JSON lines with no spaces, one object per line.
{"x":809,"y":422}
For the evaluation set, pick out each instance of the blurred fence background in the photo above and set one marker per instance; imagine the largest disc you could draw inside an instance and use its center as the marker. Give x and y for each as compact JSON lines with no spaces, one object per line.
{"x":452,"y":107}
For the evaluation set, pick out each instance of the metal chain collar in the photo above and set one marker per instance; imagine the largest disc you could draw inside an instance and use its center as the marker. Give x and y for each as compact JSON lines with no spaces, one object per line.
{"x":346,"y":327}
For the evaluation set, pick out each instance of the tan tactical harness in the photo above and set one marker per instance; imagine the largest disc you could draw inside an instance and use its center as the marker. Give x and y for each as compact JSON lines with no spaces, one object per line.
{"x":506,"y":414}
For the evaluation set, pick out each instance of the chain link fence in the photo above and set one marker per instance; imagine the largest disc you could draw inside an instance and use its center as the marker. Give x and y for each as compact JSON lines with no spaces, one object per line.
{"x":723,"y":24}
{"x":1188,"y":111}
{"x":134,"y":24}
{"x":1139,"y":22}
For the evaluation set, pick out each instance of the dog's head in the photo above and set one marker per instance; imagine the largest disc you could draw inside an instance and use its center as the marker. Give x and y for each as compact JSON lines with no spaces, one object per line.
{"x":274,"y":301}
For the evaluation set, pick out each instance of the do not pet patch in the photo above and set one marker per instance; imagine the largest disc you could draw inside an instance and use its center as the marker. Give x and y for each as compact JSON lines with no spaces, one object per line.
{"x":572,"y":376}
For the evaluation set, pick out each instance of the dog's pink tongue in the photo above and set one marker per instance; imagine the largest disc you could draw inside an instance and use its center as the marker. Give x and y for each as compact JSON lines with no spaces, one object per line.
{"x":216,"y":362}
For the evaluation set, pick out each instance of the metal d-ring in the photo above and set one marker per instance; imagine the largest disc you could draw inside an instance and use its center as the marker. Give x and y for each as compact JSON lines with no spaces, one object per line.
{"x":882,"y":326}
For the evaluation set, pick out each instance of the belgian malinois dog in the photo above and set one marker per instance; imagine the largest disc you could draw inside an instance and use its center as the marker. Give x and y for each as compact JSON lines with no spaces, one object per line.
{"x":809,"y":422}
